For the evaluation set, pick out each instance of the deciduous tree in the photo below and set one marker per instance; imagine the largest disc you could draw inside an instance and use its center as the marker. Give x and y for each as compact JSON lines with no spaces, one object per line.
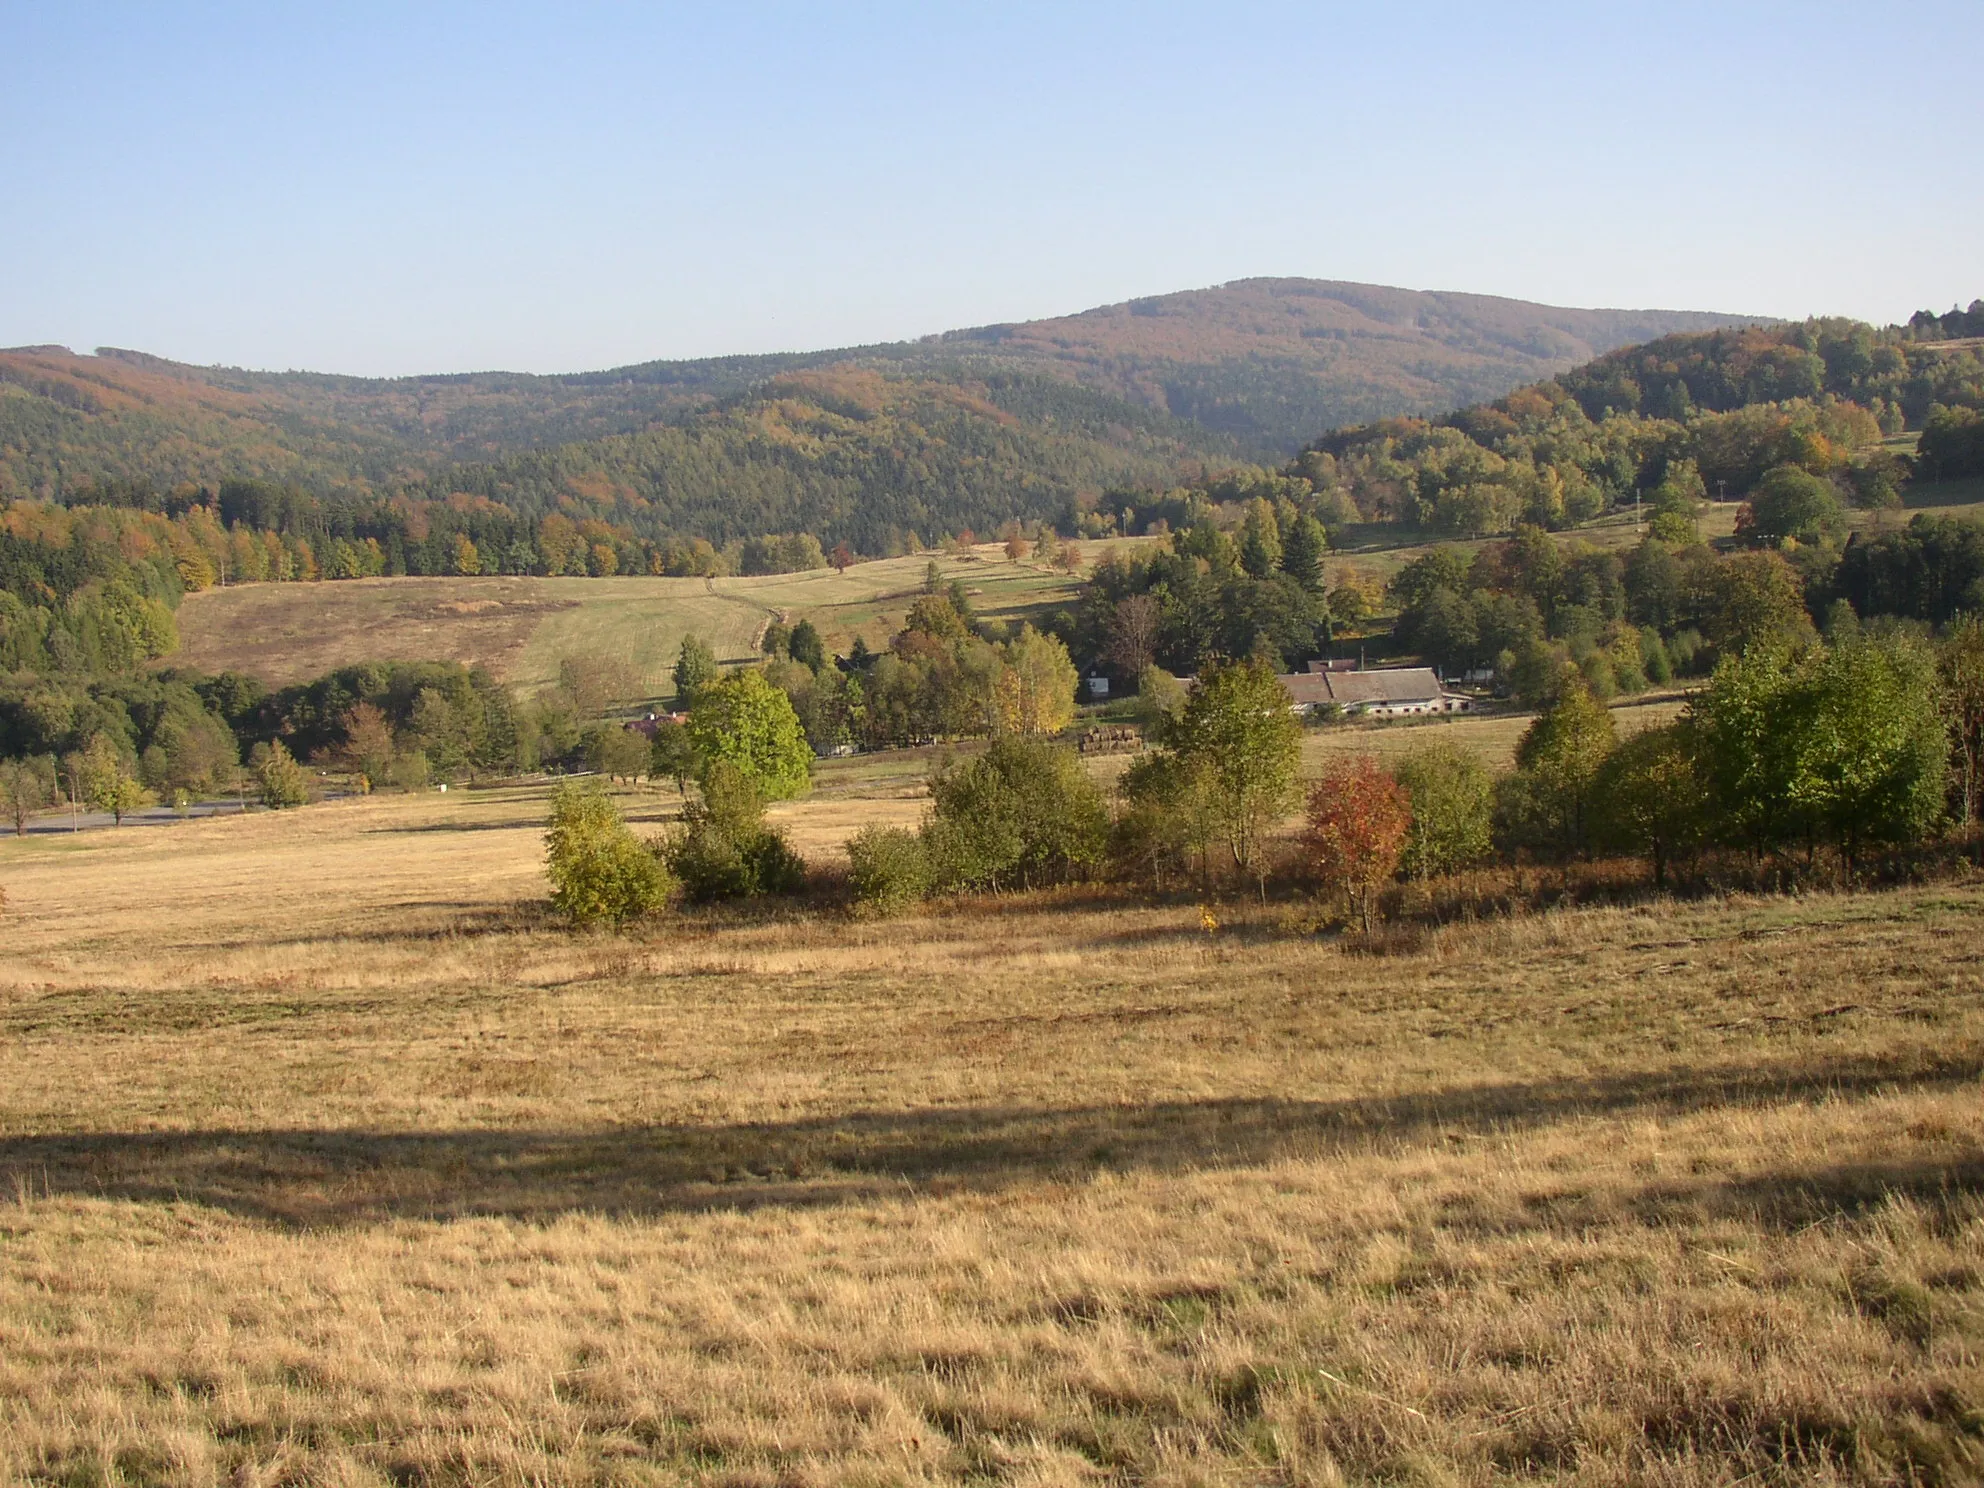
{"x":750,"y":723}
{"x":26,"y":786}
{"x":1359,"y":817}
{"x":695,"y":668}
{"x":280,"y":779}
{"x":1453,"y":800}
{"x":1239,"y":724}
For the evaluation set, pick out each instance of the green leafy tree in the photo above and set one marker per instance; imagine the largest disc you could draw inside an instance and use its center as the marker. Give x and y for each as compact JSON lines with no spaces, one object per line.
{"x":1453,"y":805}
{"x":1302,"y":555}
{"x":1650,"y":799}
{"x":1260,"y":539}
{"x":1960,"y":665}
{"x":1793,"y":503}
{"x":749,"y":723}
{"x":1547,"y":803}
{"x":600,"y":872}
{"x":280,"y":780}
{"x":617,"y":752}
{"x":1754,"y":600}
{"x":672,"y":754}
{"x":1170,"y":821}
{"x":695,"y":668}
{"x":107,"y":785}
{"x":804,"y":646}
{"x":1744,"y":748}
{"x":1872,"y":747}
{"x":1240,"y":726}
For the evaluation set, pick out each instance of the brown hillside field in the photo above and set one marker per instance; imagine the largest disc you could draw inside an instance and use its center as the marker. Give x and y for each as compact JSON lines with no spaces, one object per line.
{"x":325,"y":1158}
{"x":520,"y":628}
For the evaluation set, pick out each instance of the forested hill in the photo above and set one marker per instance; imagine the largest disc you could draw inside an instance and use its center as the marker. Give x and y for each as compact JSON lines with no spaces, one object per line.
{"x":1247,"y":369}
{"x":1271,"y":361}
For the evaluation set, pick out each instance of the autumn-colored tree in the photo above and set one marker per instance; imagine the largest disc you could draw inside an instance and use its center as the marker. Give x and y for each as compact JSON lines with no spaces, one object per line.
{"x":1131,"y":640}
{"x":842,"y":557}
{"x":1035,"y":690}
{"x":106,"y":784}
{"x":1359,"y":817}
{"x":26,"y":785}
{"x":368,"y":742}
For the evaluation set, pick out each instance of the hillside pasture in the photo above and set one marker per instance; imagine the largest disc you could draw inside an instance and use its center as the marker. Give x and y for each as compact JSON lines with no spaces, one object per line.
{"x":520,"y":628}
{"x":326,"y":1157}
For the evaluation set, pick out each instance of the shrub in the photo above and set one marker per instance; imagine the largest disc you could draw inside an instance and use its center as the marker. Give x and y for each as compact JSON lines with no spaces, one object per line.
{"x":889,"y":869}
{"x":599,"y":870}
{"x":725,"y":850}
{"x":1024,"y":810}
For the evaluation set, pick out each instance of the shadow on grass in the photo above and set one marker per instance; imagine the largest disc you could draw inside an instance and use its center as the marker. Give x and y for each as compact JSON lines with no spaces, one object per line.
{"x":308,"y":1178}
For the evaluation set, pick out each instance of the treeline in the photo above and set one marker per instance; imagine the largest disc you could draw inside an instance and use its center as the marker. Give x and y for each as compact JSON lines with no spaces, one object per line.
{"x":945,"y":675}
{"x":179,"y":733}
{"x":1926,"y":325}
{"x":260,"y":532}
{"x":1867,"y":743}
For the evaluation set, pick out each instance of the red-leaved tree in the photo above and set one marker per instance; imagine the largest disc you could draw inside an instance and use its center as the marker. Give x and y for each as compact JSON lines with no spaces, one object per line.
{"x":1358,"y":820}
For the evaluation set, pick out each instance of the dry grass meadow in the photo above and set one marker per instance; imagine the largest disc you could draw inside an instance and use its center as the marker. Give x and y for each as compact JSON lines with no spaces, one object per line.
{"x":520,"y":628}
{"x":326,"y":1159}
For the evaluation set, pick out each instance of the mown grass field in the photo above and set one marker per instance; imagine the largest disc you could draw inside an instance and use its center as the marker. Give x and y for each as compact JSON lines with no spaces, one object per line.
{"x":521,"y":628}
{"x":326,"y":1158}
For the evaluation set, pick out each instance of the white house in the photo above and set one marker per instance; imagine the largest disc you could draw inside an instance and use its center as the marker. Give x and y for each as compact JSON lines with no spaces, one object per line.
{"x":1389,"y":692}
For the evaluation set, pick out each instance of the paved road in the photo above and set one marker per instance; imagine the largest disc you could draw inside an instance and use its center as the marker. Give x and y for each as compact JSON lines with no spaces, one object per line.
{"x":151,"y":816}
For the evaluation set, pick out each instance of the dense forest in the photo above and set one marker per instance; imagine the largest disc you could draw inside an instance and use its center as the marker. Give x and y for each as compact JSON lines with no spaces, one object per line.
{"x":1251,"y":368}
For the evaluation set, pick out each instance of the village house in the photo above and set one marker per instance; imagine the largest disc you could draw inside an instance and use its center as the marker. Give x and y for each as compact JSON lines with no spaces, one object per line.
{"x":1388,"y":692}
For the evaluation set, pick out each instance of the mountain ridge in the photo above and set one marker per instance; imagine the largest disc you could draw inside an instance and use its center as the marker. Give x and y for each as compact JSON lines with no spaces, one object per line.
{"x":1249,"y":370}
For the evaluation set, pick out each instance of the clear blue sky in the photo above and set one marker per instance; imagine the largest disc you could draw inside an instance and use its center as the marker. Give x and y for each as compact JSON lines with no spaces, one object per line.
{"x":398,"y":188}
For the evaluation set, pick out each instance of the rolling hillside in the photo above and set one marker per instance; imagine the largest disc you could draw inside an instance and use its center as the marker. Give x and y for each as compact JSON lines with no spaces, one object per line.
{"x":520,"y":628}
{"x":1129,"y":391}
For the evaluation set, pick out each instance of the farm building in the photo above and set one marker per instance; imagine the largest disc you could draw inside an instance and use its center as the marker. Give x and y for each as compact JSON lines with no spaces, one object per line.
{"x":1389,"y":692}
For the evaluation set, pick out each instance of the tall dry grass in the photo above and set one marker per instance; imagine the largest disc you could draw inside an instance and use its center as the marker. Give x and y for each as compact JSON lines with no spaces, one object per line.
{"x":325,"y":1158}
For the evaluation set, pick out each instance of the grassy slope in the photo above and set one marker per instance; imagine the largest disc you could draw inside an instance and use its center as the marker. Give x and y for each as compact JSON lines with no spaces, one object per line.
{"x":326,"y":1160}
{"x":520,"y":628}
